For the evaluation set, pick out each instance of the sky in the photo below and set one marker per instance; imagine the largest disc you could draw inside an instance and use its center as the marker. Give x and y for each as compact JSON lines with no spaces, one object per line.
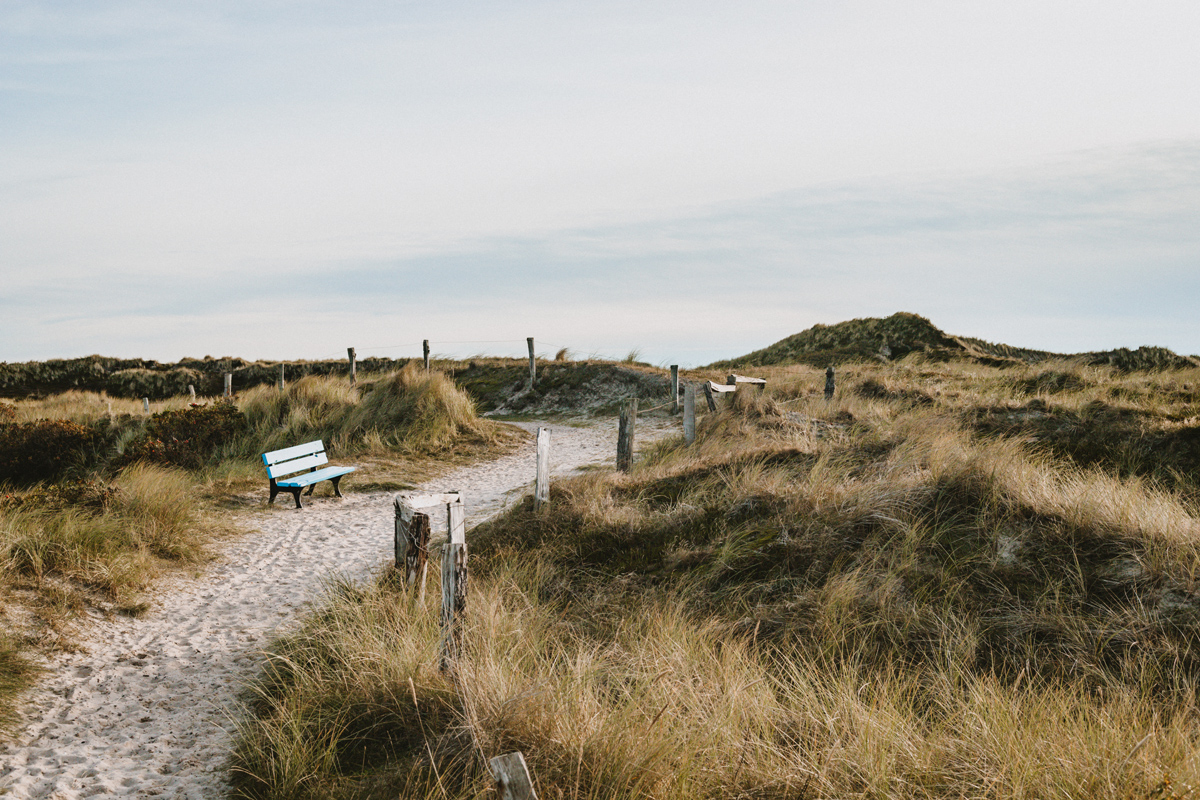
{"x":690,"y":180}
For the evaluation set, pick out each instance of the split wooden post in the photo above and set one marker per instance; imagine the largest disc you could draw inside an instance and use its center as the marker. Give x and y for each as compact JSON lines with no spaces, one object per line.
{"x":512,"y":777}
{"x":192,"y":392}
{"x":708,"y":395}
{"x":689,"y":414}
{"x":829,"y":386}
{"x":146,"y":404}
{"x":625,"y":436}
{"x":229,"y":384}
{"x":541,"y":491}
{"x":532,"y":364}
{"x":282,"y":381}
{"x":425,"y":350}
{"x":412,"y":546}
{"x":674,"y":388}
{"x":350,"y":354}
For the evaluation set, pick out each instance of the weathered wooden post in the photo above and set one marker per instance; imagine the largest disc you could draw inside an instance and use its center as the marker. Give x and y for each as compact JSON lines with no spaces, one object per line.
{"x":412,"y":546}
{"x":454,"y":586}
{"x":829,"y":387}
{"x":625,"y":436}
{"x":425,"y":350}
{"x":532,"y":364}
{"x":689,"y":414}
{"x":512,"y":777}
{"x":352,"y":356}
{"x":146,"y":404}
{"x":541,"y":491}
{"x":192,"y":393}
{"x":708,"y":395}
{"x":674,"y":388}
{"x":229,"y":384}
{"x":282,"y":381}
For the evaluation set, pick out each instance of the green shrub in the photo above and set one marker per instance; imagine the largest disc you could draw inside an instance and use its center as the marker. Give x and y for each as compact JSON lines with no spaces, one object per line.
{"x":8,"y":413}
{"x":186,"y":437}
{"x":42,"y":450}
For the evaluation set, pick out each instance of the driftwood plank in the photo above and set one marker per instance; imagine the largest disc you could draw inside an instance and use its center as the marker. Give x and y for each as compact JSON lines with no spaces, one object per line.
{"x":512,"y":777}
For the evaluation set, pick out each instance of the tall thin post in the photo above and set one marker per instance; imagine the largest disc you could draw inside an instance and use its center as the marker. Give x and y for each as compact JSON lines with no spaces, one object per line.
{"x":350,"y":354}
{"x":425,"y":348}
{"x":541,"y":492}
{"x":532,"y":364}
{"x":229,"y":384}
{"x":146,"y":404}
{"x":829,"y":386}
{"x":454,"y":601}
{"x":625,"y":436}
{"x":192,"y":393}
{"x":708,"y":396}
{"x":282,"y":381}
{"x":689,"y":414}
{"x":674,"y":388}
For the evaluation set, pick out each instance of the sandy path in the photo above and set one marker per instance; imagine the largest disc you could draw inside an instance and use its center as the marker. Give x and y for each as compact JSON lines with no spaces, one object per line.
{"x":147,"y":710}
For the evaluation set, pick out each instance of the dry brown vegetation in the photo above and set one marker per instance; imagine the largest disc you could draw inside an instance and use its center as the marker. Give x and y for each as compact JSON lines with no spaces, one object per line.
{"x":142,"y":496}
{"x":926,"y":588}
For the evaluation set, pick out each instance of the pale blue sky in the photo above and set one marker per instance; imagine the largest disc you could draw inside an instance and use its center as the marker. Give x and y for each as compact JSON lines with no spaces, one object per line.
{"x":695,"y":180}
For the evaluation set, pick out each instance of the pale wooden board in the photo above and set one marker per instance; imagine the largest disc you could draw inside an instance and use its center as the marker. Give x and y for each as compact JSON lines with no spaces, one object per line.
{"x":512,"y":777}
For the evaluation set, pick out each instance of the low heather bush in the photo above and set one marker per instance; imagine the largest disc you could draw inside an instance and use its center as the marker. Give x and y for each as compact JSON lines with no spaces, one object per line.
{"x":42,"y":450}
{"x":186,"y":437}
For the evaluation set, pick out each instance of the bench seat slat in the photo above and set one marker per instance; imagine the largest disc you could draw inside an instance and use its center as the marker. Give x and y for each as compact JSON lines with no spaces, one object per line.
{"x":297,"y":451}
{"x":296,"y":465}
{"x":309,"y":478}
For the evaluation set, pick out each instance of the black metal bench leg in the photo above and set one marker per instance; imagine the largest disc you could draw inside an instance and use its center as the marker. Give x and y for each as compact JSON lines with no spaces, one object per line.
{"x":296,"y":494}
{"x":310,"y":489}
{"x":274,"y":491}
{"x":334,"y":481}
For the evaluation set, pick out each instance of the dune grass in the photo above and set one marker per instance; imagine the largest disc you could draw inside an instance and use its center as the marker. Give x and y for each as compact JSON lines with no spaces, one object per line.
{"x":873,"y":597}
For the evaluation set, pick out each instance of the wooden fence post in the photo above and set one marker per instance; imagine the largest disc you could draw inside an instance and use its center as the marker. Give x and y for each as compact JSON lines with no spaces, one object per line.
{"x":829,"y":383}
{"x":712,"y":404}
{"x":674,"y":388}
{"x":229,"y":384}
{"x":532,"y":364}
{"x":146,"y":404}
{"x":412,"y":547}
{"x":541,"y":491}
{"x":425,"y":349}
{"x":192,"y":392}
{"x":689,"y":414}
{"x":625,"y":436}
{"x":454,"y":600}
{"x":350,"y":354}
{"x":512,"y":777}
{"x":282,"y":382}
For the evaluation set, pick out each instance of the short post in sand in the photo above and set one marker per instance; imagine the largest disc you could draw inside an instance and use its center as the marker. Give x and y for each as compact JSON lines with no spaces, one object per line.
{"x":282,"y":381}
{"x":512,"y":777}
{"x":229,"y":384}
{"x":689,"y":414}
{"x":353,"y":357}
{"x":829,"y":386}
{"x":454,"y":585}
{"x":425,"y":350}
{"x":532,"y":364}
{"x":541,"y":491}
{"x":146,"y":404}
{"x":625,"y":436}
{"x":412,"y":545}
{"x":674,"y":388}
{"x":192,"y":393}
{"x":708,"y":396}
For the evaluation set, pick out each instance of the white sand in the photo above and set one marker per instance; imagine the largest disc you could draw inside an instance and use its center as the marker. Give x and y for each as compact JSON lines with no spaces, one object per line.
{"x":147,"y":709}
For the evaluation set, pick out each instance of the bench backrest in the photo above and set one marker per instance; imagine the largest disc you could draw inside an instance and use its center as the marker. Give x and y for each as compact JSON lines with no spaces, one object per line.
{"x":300,"y":458}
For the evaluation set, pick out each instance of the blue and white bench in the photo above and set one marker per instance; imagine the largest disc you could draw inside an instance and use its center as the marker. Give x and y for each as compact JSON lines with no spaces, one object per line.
{"x":291,"y":460}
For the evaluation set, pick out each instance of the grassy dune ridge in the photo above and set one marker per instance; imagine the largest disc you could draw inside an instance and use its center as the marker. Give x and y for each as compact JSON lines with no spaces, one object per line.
{"x":889,"y":595}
